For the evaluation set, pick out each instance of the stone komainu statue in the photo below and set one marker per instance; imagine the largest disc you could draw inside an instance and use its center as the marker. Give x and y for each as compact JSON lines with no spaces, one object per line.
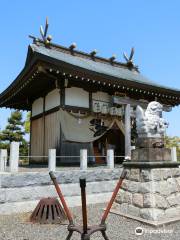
{"x":149,"y":122}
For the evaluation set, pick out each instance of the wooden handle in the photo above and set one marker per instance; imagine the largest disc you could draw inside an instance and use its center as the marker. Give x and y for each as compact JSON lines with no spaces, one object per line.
{"x":108,"y":208}
{"x":58,"y":190}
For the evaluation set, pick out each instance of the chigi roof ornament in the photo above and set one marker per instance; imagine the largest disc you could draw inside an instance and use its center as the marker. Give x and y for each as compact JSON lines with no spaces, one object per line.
{"x":43,"y":33}
{"x":129,"y":60}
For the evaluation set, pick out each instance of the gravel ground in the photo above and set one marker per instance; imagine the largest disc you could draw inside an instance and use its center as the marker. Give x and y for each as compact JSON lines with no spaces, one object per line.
{"x":18,"y":227}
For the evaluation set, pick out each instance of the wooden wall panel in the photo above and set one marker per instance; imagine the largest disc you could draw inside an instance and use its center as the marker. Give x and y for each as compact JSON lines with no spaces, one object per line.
{"x":52,"y":132}
{"x":37,"y":139}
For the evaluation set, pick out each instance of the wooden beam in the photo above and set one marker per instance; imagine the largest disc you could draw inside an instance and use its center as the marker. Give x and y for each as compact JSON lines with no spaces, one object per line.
{"x":133,"y":103}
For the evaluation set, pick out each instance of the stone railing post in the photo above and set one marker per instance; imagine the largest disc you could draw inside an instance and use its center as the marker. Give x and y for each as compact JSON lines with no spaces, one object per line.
{"x":52,"y":160}
{"x":14,"y":157}
{"x":3,"y":160}
{"x":110,"y":158}
{"x":83,"y":159}
{"x":173,"y":154}
{"x":133,"y":148}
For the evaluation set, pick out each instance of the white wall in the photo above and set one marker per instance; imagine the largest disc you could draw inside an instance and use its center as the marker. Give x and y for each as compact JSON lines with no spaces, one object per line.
{"x":76,"y":97}
{"x":37,"y":107}
{"x":52,"y":99}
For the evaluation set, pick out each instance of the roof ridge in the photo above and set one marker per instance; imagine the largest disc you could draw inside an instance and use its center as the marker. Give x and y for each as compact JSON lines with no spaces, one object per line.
{"x":110,"y":61}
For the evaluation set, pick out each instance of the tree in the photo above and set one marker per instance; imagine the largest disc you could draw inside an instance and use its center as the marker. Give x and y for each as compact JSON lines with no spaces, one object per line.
{"x":14,"y":131}
{"x":25,"y":149}
{"x":27,"y":123}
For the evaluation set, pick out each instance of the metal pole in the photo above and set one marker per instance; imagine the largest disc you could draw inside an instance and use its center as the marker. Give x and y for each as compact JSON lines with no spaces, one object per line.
{"x":83,"y":199}
{"x":66,"y":209}
{"x":108,"y":208}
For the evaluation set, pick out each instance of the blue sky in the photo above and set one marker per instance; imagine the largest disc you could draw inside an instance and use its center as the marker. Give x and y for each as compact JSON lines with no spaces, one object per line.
{"x":114,"y":26}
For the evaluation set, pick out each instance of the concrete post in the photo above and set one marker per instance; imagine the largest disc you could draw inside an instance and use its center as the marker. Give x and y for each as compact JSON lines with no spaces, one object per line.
{"x":3,"y":160}
{"x":128,"y":130}
{"x":83,"y":159}
{"x":173,"y":154}
{"x":110,"y":158}
{"x":14,"y":157}
{"x":52,"y":160}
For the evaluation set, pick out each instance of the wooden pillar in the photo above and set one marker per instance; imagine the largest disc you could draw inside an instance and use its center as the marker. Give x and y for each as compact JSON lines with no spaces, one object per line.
{"x":90,"y":101}
{"x":30,"y":137}
{"x":44,"y":126}
{"x":128,"y":130}
{"x":62,"y":105}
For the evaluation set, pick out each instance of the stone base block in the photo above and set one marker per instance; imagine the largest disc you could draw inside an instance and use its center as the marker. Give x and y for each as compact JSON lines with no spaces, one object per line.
{"x":151,"y":154}
{"x":150,"y":194}
{"x":149,"y":142}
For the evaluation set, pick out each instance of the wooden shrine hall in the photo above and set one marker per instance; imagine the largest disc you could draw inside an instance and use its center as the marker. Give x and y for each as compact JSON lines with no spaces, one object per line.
{"x":80,"y":100}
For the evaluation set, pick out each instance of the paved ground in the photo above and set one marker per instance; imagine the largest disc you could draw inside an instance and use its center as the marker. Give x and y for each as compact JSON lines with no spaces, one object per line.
{"x":17,"y":227}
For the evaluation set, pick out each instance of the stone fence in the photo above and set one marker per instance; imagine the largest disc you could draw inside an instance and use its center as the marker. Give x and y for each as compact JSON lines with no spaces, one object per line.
{"x":20,"y":192}
{"x":14,"y":158}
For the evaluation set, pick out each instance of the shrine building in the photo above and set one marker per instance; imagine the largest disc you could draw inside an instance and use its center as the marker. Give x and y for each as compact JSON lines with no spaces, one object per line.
{"x":80,"y":100}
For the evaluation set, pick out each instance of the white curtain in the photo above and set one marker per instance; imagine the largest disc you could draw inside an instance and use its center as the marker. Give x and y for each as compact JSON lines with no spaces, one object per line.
{"x":79,"y":129}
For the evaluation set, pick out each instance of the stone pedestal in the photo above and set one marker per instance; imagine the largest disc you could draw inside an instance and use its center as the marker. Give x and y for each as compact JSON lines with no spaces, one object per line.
{"x":151,"y":154}
{"x":151,"y":189}
{"x":150,"y":150}
{"x":150,"y":142}
{"x":150,"y":194}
